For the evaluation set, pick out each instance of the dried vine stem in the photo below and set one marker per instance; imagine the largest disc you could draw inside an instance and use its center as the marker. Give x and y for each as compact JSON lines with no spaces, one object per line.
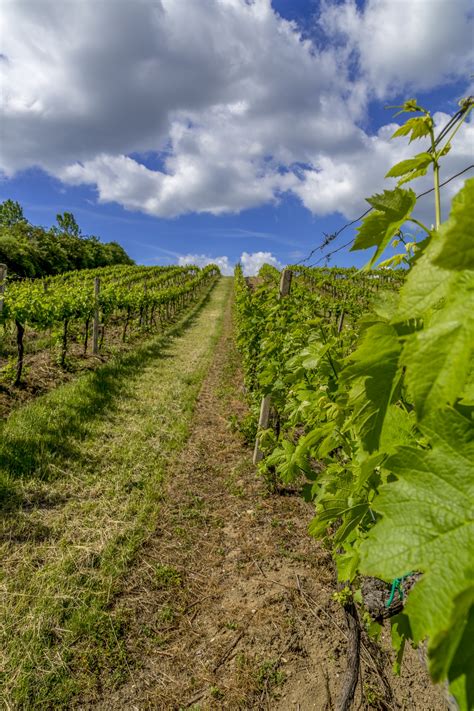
{"x":353,"y":657}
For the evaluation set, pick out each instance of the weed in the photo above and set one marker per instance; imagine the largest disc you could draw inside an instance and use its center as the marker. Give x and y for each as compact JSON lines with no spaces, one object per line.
{"x":216,"y":693}
{"x":167,"y":614}
{"x":268,"y":675}
{"x":167,"y":577}
{"x":372,"y":696}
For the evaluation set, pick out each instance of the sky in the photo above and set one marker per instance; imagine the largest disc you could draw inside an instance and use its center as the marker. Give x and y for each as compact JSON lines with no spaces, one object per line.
{"x":223,"y":130}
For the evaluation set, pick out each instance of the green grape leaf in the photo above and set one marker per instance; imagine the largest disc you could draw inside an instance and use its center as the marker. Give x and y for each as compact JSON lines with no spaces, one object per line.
{"x":437,"y":358}
{"x":443,"y":273}
{"x":398,"y":429}
{"x":415,"y":128}
{"x":392,"y":209}
{"x":426,"y":286}
{"x":347,"y":564}
{"x":458,"y":232}
{"x":400,"y":632}
{"x":427,"y":525}
{"x":451,"y":652}
{"x":417,"y":163}
{"x":374,"y":373}
{"x":395,"y":204}
{"x":412,"y":176}
{"x":329,"y":509}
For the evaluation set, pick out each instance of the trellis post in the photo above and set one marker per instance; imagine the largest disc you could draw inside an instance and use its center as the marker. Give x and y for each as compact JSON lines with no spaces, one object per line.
{"x":95,"y":323}
{"x":3,"y":279}
{"x":285,"y":283}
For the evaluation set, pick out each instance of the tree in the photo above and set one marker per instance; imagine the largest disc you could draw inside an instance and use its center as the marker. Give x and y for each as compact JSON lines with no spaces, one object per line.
{"x":67,"y":224}
{"x":34,"y":251}
{"x":11,"y":213}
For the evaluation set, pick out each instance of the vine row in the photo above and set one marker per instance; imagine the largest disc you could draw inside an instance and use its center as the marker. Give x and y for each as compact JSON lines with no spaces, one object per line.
{"x":371,"y":381}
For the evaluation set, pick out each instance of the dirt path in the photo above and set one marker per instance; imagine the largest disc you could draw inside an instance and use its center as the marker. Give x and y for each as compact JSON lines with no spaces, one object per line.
{"x":229,"y":603}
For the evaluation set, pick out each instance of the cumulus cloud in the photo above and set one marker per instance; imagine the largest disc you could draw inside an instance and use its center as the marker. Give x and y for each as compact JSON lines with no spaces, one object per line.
{"x":235,"y":106}
{"x":202,"y":260}
{"x":341,"y":185}
{"x":407,"y":43}
{"x":251,"y":263}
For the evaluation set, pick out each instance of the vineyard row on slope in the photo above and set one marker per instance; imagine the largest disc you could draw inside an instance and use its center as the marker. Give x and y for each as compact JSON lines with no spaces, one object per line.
{"x":122,"y":295}
{"x":376,"y":410}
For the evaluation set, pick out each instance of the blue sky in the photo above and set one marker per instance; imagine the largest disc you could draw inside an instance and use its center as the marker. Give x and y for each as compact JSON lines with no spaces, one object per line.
{"x":221,"y":128}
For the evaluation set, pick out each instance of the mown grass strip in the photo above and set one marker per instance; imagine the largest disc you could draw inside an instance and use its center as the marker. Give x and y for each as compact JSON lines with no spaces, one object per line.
{"x":82,"y":469}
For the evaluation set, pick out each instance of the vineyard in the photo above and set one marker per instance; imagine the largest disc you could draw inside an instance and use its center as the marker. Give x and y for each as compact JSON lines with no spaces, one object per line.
{"x":255,"y":482}
{"x":85,"y":304}
{"x":364,"y":386}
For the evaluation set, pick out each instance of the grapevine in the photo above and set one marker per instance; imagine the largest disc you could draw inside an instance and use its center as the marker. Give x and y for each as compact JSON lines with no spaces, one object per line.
{"x":150,"y":295}
{"x":371,"y":381}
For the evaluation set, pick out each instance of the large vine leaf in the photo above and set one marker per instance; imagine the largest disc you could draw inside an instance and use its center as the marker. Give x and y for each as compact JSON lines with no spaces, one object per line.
{"x":373,"y":372}
{"x":395,"y":204}
{"x":391,"y":209}
{"x":411,"y":168}
{"x":427,"y":525}
{"x":458,"y":232}
{"x":416,"y":128}
{"x":438,"y":358}
{"x":452,"y":650}
{"x":446,"y":262}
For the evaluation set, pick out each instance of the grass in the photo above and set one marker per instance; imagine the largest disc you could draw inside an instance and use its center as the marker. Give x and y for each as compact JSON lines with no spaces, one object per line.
{"x":82,"y":469}
{"x":268,"y":675}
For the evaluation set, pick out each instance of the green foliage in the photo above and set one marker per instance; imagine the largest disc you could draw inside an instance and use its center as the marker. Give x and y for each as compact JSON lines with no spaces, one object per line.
{"x":67,"y":224}
{"x":166,"y":576}
{"x":428,"y":525}
{"x":11,"y":213}
{"x":377,"y":417}
{"x":391,"y":210}
{"x":457,"y":250}
{"x":411,"y":168}
{"x":127,"y":292}
{"x":373,"y":372}
{"x":415,"y":128}
{"x":31,"y":251}
{"x":268,"y":675}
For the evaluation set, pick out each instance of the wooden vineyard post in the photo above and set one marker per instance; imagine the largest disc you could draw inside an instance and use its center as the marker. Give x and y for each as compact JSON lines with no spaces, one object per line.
{"x":285,"y":283}
{"x":285,"y":286}
{"x":3,"y":278}
{"x":95,"y":323}
{"x":262,"y":425}
{"x":340,"y":323}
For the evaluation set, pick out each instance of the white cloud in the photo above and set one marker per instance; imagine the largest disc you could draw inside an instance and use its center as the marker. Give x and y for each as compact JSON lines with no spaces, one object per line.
{"x":403,"y":44}
{"x":238,"y":107}
{"x":342,"y":184}
{"x":202,"y":260}
{"x":251,"y":263}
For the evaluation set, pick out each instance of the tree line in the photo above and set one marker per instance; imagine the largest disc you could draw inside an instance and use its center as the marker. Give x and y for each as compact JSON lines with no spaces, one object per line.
{"x":33,"y":251}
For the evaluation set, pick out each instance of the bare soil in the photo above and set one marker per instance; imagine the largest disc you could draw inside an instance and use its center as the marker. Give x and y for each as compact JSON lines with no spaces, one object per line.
{"x":229,"y":605}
